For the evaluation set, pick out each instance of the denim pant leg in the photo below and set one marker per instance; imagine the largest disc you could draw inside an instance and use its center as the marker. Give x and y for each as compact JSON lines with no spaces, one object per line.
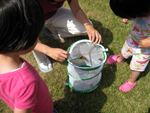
{"x":54,"y":110}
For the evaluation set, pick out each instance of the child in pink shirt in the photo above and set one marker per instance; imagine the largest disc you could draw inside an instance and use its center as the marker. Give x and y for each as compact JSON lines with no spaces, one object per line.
{"x":21,"y":87}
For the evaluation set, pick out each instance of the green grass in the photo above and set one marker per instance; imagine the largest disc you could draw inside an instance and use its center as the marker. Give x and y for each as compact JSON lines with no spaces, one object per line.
{"x":106,"y":98}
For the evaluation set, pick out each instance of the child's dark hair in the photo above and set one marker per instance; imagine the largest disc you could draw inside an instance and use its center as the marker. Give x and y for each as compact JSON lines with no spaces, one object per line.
{"x":130,"y":8}
{"x":21,"y":21}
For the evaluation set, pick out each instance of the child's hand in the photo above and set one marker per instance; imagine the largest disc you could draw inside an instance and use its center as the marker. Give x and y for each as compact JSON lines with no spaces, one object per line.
{"x":144,"y":43}
{"x":125,"y":21}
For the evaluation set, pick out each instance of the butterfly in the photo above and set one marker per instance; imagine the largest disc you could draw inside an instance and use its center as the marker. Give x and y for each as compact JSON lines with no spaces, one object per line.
{"x":83,"y":57}
{"x":101,"y":59}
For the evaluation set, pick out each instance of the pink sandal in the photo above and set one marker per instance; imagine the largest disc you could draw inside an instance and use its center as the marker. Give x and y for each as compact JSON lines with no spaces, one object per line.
{"x":113,"y":59}
{"x":126,"y":86}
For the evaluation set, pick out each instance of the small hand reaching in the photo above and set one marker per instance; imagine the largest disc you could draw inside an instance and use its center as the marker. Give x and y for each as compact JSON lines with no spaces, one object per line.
{"x":125,"y":21}
{"x":144,"y":43}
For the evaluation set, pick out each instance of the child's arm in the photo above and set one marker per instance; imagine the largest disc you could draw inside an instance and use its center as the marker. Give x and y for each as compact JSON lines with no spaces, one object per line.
{"x":144,"y":43}
{"x":22,"y":110}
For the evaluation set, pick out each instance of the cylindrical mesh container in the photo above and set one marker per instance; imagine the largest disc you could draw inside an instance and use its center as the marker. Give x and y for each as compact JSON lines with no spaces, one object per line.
{"x":85,"y":64}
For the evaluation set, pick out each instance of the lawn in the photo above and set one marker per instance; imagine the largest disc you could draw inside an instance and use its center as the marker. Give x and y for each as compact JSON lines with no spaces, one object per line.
{"x":106,"y":98}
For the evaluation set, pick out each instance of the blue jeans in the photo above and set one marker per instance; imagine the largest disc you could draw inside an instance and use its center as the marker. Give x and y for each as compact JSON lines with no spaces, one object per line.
{"x":54,"y":110}
{"x":46,"y":31}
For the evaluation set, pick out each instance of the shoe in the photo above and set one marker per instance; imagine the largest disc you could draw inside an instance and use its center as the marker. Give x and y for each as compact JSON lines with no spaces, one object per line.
{"x":45,"y":66}
{"x":113,"y":59}
{"x":126,"y":86}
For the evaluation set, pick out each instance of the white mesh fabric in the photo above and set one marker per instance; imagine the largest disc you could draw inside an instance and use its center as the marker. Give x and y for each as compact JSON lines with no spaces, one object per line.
{"x":93,"y":54}
{"x":80,"y":85}
{"x":82,"y":74}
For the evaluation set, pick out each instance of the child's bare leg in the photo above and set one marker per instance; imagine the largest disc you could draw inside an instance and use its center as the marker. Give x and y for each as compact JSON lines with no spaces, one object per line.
{"x":133,"y":77}
{"x":130,"y":83}
{"x":120,"y":58}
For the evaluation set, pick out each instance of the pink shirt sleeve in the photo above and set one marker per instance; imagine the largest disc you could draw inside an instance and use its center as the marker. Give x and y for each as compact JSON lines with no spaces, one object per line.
{"x":26,"y":97}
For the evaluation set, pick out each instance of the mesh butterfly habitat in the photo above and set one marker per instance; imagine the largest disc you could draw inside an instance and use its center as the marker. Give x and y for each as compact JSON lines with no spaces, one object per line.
{"x":84,"y":65}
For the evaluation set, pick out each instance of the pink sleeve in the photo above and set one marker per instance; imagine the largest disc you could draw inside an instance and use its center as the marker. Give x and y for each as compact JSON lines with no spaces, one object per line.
{"x":26,"y":98}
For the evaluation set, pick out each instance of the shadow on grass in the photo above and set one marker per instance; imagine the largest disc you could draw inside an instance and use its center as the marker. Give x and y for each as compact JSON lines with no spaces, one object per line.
{"x":92,"y":102}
